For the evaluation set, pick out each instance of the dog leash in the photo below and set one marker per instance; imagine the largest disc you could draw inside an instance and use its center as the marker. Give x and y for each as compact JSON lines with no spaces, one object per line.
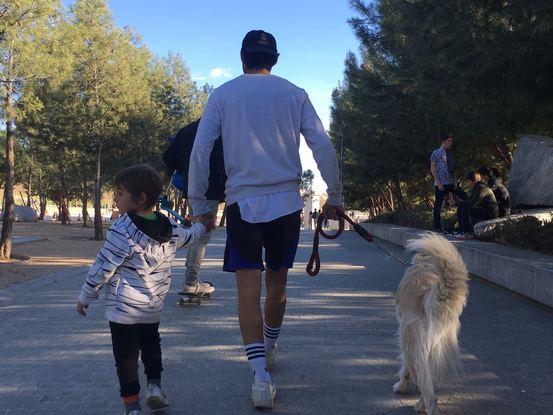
{"x":314,"y":264}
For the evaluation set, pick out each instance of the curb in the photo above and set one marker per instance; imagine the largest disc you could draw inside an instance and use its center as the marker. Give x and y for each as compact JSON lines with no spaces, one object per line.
{"x":524,"y":272}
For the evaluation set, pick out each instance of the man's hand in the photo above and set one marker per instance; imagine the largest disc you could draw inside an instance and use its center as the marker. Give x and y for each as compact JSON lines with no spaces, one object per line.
{"x":440,"y":186}
{"x":330,"y":211}
{"x":207,"y":220}
{"x":81,"y":308}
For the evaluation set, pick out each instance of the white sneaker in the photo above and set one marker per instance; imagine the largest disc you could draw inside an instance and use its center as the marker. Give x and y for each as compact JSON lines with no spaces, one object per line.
{"x":135,"y":412}
{"x":270,"y":356}
{"x":200,"y":288}
{"x":263,"y":394}
{"x":155,"y":398}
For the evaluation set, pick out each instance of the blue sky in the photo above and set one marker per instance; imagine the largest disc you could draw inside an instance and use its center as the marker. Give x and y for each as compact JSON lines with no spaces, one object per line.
{"x":313,"y":38}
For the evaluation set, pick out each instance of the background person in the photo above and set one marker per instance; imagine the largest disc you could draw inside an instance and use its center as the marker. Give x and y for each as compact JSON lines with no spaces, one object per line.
{"x":499,"y":190}
{"x":177,"y":158}
{"x":481,"y":205}
{"x":442,"y":166}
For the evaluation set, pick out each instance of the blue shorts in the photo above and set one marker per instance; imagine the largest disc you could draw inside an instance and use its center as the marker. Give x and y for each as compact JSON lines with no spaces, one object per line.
{"x":245,"y":242}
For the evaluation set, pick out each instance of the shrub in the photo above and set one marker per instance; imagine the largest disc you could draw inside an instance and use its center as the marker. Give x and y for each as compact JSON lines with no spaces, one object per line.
{"x":527,"y":233}
{"x":416,"y":218}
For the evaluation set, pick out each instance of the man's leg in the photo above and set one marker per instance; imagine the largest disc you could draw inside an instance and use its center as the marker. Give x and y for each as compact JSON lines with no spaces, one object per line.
{"x":275,"y":306}
{"x":460,"y":193}
{"x":196,"y":254}
{"x":275,"y":299}
{"x":248,"y":285}
{"x":243,"y":256}
{"x":439,"y":200}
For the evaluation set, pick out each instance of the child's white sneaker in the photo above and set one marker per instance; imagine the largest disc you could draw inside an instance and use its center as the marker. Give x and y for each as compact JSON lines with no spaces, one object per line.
{"x":155,"y":398}
{"x":270,"y":356}
{"x":263,"y":394}
{"x":135,"y":412}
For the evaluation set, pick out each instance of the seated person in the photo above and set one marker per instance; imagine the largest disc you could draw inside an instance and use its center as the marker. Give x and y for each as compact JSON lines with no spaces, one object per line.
{"x":481,"y":205}
{"x":501,"y":193}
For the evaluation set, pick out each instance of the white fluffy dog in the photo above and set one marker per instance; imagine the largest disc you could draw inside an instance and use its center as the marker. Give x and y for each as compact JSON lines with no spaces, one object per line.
{"x":430,"y":299}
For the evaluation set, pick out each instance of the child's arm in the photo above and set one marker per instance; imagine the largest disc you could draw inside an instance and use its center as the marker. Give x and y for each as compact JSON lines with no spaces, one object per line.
{"x":187,"y":237}
{"x":111,"y":256}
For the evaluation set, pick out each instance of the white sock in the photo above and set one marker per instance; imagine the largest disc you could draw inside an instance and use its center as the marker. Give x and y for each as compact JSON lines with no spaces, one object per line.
{"x":270,"y":336}
{"x":256,"y":357}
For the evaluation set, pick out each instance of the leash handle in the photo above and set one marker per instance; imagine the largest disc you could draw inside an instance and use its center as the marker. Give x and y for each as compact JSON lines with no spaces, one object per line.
{"x":314,"y":265}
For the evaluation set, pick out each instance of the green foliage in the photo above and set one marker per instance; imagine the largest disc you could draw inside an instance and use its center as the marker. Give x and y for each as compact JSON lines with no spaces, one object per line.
{"x":101,"y":102}
{"x":307,"y":180}
{"x":527,"y":233}
{"x":479,"y":70}
{"x":417,"y":218}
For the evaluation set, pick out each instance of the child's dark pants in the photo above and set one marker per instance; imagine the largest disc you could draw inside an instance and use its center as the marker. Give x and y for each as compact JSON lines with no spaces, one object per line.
{"x":129,"y":341}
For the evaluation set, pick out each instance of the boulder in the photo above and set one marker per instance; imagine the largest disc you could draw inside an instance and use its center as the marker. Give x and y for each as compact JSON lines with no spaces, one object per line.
{"x":486,"y":228}
{"x":530,"y":177}
{"x":25,"y":214}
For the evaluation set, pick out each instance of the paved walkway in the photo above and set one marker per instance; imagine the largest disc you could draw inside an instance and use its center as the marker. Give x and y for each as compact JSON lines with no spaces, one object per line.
{"x":338,"y":346}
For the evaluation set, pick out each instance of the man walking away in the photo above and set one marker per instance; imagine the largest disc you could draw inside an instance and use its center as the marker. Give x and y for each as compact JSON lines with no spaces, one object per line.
{"x":260,"y":117}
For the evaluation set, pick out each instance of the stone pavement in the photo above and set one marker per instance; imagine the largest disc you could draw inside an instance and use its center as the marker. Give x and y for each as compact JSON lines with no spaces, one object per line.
{"x":338,"y":346}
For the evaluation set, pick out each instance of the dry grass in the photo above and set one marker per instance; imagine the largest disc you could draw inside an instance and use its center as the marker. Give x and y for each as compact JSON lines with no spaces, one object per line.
{"x":67,"y":247}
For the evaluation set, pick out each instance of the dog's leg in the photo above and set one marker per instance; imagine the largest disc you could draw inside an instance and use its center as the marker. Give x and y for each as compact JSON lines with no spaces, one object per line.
{"x":425,"y":382}
{"x":404,"y":383}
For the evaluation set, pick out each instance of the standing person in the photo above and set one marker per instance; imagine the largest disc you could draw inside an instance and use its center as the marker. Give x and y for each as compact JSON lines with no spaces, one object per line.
{"x":442,"y":167}
{"x":480,"y":205}
{"x":499,"y":190}
{"x":177,"y":158}
{"x":135,"y":264}
{"x":315,"y":217}
{"x":260,"y":117}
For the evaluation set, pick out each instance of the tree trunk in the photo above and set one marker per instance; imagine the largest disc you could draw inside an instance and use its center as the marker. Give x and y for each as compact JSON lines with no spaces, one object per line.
{"x":8,"y":215}
{"x":65,"y":219}
{"x":98,"y":231}
{"x":396,"y":188}
{"x":503,"y":152}
{"x":84,"y":201}
{"x":41,"y":199}
{"x":29,"y":184}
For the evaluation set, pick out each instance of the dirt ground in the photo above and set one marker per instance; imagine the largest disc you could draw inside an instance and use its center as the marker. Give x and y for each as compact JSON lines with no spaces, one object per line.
{"x":65,"y":247}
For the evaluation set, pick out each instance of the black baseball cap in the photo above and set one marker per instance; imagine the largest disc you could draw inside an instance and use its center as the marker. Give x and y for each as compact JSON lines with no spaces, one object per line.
{"x":259,"y":41}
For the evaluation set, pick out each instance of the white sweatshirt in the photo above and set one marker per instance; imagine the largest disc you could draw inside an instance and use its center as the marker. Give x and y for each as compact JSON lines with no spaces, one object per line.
{"x":260,"y":118}
{"x":136,"y":271}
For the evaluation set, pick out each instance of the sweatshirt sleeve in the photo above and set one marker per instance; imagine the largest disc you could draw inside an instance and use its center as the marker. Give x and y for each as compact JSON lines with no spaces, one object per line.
{"x":114,"y":252}
{"x":198,"y":174}
{"x":188,"y":236}
{"x":323,"y":151}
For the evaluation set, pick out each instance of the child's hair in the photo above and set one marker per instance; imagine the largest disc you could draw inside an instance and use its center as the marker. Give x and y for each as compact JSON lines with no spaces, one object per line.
{"x":140,"y":179}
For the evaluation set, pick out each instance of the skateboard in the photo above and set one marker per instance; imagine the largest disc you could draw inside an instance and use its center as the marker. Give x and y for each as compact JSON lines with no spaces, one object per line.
{"x":193,"y":299}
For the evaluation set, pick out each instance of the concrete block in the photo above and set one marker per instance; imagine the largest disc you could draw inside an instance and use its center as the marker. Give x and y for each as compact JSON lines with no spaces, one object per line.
{"x":543,"y":285}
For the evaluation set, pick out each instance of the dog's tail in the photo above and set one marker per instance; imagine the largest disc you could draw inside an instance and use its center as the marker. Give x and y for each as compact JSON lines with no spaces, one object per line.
{"x":448,"y":298}
{"x":449,"y":264}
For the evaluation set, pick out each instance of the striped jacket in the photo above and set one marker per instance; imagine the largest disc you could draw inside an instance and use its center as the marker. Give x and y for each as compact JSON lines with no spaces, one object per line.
{"x":136,"y":270}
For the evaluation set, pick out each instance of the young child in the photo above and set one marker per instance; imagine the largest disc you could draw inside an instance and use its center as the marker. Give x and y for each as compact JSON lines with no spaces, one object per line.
{"x":135,"y":265}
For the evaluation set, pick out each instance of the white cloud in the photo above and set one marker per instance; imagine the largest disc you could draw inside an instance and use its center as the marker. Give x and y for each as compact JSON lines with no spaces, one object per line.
{"x":199,"y":77}
{"x":220,"y":73}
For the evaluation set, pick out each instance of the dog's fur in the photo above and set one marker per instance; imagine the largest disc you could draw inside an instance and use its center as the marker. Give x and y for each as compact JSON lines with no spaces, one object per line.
{"x":430,"y":299}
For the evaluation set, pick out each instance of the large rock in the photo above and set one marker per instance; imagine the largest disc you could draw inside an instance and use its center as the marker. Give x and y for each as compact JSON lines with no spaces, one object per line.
{"x":487,"y":228}
{"x":530,"y":179}
{"x":25,"y":214}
